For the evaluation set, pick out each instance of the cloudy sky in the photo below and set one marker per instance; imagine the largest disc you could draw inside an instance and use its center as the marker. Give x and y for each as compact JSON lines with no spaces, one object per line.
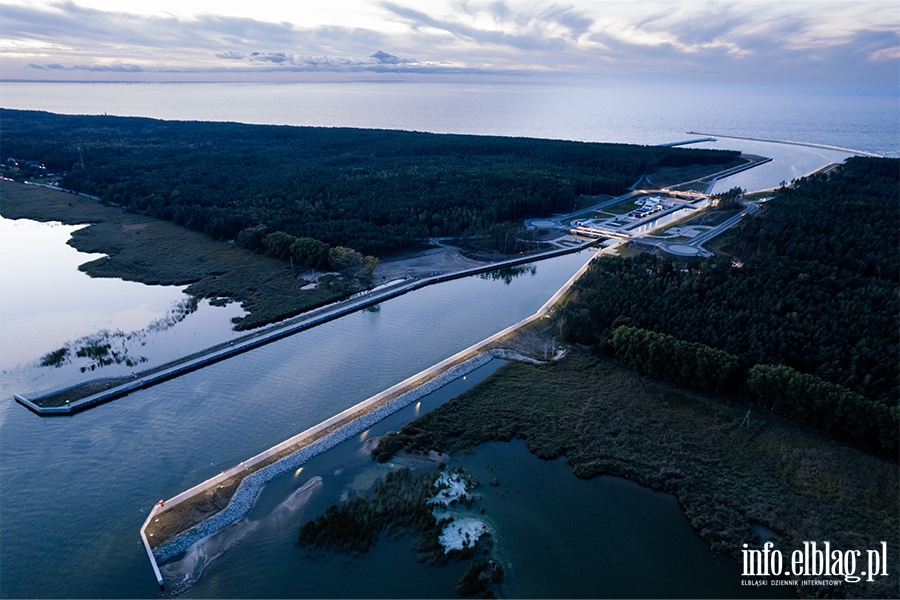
{"x":756,"y":42}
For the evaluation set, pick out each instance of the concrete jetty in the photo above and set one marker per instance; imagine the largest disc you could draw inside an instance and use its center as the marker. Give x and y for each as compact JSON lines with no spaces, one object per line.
{"x":790,"y":143}
{"x":277,"y":332}
{"x":686,"y":142}
{"x":290,"y":454}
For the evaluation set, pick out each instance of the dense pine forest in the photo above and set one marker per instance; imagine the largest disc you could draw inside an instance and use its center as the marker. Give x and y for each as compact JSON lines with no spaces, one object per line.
{"x":811,"y":286}
{"x":376,"y":191}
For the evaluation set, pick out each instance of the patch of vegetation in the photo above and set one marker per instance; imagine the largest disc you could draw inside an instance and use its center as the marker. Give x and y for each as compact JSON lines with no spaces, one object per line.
{"x":155,"y":252}
{"x":607,"y":419}
{"x":479,"y":578}
{"x":402,"y":502}
{"x":57,"y":358}
{"x":849,"y":417}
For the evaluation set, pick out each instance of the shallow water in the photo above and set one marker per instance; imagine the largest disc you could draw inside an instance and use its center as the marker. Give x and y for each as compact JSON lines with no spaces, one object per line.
{"x":555,"y":535}
{"x":47,"y":304}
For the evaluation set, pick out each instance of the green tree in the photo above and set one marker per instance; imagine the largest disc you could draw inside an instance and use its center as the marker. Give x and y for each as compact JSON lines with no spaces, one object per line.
{"x":368,"y":267}
{"x":310,"y":252}
{"x":252,"y":238}
{"x":346,"y":260}
{"x":278,"y":244}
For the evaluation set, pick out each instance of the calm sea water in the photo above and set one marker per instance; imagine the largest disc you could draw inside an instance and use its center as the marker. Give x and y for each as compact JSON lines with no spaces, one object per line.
{"x":857,"y":118}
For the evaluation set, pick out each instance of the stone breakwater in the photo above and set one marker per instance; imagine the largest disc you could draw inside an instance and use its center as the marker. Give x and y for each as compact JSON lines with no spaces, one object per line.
{"x":247,"y":492}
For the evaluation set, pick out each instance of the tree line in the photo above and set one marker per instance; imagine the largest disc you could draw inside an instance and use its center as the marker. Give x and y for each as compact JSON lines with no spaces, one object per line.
{"x":799,"y":396}
{"x":306,"y":252}
{"x":376,"y":191}
{"x":810,"y":287}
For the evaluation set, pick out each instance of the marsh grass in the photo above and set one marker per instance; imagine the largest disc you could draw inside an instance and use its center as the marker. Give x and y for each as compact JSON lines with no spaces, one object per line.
{"x":156,"y":252}
{"x":607,"y":419}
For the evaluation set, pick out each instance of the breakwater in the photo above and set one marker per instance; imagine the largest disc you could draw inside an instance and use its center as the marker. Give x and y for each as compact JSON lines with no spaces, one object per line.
{"x":325,"y":435}
{"x":790,"y":143}
{"x":272,"y":334}
{"x":245,"y":496}
{"x":687,"y":142}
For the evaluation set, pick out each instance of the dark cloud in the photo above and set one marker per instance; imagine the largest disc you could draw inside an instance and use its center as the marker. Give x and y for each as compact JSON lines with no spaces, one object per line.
{"x":271,"y":57}
{"x":389,"y":59}
{"x":231,"y":54}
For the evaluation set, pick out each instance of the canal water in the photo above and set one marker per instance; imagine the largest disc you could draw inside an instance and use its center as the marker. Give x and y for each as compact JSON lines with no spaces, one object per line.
{"x":788,"y":162}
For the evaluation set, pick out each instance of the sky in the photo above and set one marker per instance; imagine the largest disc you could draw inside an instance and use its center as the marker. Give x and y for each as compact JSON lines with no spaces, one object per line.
{"x":758,"y":42}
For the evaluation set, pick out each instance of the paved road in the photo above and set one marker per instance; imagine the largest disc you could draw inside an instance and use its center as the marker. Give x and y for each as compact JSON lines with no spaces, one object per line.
{"x":697,"y":242}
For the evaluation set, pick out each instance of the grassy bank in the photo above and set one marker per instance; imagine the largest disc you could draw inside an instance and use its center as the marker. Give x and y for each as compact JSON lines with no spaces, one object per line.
{"x":156,"y":252}
{"x":607,"y":419}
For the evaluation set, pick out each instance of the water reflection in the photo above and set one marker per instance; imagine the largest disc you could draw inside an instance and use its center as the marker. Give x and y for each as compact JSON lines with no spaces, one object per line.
{"x":52,"y":339}
{"x":507,"y":274}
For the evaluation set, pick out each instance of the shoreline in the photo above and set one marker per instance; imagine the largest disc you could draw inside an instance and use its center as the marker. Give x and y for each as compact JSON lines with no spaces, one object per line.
{"x":294,"y":325}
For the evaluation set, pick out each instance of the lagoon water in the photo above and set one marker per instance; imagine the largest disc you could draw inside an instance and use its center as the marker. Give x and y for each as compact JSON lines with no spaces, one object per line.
{"x":76,"y":490}
{"x":48,"y":304}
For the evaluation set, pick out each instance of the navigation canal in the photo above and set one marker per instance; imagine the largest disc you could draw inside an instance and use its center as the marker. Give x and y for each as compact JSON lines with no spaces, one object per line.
{"x":75,"y":490}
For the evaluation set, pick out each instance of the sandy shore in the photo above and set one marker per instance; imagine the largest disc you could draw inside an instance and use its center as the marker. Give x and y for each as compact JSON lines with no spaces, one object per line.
{"x":443,"y":259}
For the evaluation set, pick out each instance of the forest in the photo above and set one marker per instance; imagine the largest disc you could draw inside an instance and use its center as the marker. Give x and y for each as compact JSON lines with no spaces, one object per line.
{"x":811,"y":286}
{"x":376,"y":191}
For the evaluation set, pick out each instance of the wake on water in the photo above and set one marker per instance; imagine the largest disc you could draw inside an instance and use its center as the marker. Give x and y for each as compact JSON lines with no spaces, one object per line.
{"x":181,"y":574}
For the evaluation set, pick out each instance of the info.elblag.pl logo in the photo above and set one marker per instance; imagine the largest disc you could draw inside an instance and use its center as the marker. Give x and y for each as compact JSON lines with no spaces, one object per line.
{"x":815,"y":560}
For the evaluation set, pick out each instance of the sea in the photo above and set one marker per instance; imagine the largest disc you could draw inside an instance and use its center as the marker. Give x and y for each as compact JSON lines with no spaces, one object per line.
{"x":75,"y":490}
{"x":864,"y":119}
